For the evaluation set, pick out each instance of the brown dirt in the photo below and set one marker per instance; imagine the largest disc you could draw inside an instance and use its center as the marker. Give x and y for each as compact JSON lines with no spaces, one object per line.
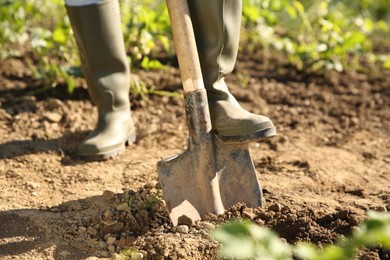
{"x":327,"y":167}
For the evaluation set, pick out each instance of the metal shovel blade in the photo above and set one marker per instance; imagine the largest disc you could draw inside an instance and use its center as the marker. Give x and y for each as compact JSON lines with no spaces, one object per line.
{"x":209,"y":176}
{"x":238,"y":180}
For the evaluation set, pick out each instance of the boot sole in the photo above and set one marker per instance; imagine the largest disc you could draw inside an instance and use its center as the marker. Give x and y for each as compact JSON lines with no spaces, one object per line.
{"x":109,"y":154}
{"x":251,"y":137}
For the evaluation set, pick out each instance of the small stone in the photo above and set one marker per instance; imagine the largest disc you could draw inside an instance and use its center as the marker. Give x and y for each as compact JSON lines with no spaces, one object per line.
{"x":165,"y":252}
{"x":108,"y":195}
{"x":101,"y":244}
{"x":379,"y":208}
{"x":103,"y":254}
{"x":91,"y":231}
{"x":275,"y":207}
{"x":33,"y":185}
{"x":52,"y":117}
{"x":206,"y":225}
{"x":110,"y":240}
{"x":111,"y":248}
{"x":82,"y":229}
{"x":182,"y":229}
{"x":143,"y":214}
{"x":117,"y":227}
{"x":54,"y":103}
{"x":106,"y":236}
{"x":107,"y":215}
{"x":247,"y":213}
{"x":122,"y":207}
{"x":353,"y":220}
{"x":121,"y":242}
{"x":150,"y":185}
{"x":354,"y":121}
{"x":184,"y":220}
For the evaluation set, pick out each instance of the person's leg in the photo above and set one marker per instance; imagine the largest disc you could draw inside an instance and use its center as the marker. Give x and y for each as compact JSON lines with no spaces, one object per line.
{"x":217,"y":26}
{"x":98,"y":33}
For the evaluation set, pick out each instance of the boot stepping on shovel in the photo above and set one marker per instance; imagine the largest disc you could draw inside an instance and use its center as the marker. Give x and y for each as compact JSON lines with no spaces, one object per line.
{"x":210,"y":175}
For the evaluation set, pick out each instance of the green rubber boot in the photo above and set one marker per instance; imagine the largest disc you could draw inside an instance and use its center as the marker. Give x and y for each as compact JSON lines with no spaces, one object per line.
{"x":217,"y":25}
{"x":97,"y":29}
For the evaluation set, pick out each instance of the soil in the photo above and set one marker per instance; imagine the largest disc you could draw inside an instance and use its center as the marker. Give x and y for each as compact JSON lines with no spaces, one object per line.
{"x":329,"y":164}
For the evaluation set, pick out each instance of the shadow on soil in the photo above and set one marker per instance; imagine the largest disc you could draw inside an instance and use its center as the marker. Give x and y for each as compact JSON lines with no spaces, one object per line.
{"x":75,"y":229}
{"x":66,"y":147}
{"x":17,"y":235}
{"x":26,"y":231}
{"x":41,"y":93}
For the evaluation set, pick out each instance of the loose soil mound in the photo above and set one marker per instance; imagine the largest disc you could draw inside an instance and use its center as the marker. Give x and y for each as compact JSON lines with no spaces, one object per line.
{"x":327,"y":167}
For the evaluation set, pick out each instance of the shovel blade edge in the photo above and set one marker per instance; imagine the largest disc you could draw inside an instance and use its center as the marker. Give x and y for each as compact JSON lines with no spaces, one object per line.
{"x":238,"y":179}
{"x":179,"y":190}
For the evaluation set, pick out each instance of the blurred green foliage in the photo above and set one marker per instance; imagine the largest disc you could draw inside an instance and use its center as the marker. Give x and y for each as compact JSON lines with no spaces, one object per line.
{"x":316,"y":35}
{"x":246,"y":240}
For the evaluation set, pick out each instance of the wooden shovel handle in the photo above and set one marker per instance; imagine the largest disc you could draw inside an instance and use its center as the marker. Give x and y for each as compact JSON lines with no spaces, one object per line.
{"x":185,"y":45}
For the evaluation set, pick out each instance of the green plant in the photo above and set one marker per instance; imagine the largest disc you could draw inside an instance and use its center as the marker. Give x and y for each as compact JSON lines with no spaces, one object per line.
{"x":146,"y":31}
{"x":248,"y":240}
{"x":41,"y":34}
{"x":128,"y":254}
{"x":43,"y":40}
{"x":14,"y":29}
{"x":315,"y":34}
{"x":51,"y":50}
{"x":139,"y":87}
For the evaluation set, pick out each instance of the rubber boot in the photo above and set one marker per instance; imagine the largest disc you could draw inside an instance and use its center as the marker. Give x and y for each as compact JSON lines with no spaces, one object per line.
{"x":98,"y":33}
{"x":217,"y":25}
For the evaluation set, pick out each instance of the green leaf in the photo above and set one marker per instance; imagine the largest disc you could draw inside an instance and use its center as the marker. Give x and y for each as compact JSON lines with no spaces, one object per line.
{"x":353,"y":40}
{"x":235,"y":240}
{"x":334,"y":253}
{"x":386,"y":63}
{"x":291,"y":11}
{"x":151,"y":64}
{"x":381,"y":216}
{"x":299,"y":6}
{"x":59,"y":35}
{"x":306,"y":251}
{"x":251,"y":13}
{"x":248,"y":240}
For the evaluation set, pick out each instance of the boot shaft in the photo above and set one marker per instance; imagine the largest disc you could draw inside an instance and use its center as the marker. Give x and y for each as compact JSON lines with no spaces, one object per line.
{"x":217,"y":25}
{"x":99,"y":37}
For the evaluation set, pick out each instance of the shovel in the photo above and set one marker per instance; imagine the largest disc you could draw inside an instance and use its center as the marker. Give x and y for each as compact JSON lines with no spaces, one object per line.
{"x":210,"y":175}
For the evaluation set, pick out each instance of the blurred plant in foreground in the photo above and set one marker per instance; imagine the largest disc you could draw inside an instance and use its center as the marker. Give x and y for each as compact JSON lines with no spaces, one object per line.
{"x":248,"y":240}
